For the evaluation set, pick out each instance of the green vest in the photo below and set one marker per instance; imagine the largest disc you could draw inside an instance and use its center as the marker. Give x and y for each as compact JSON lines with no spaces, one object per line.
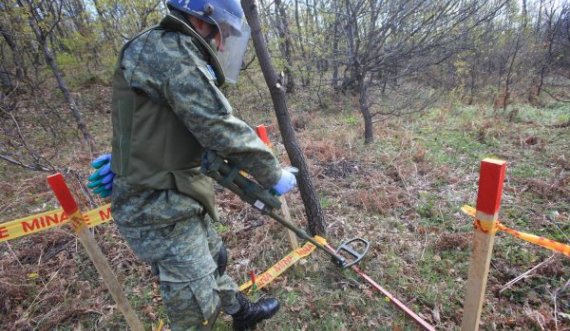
{"x":151,"y":146}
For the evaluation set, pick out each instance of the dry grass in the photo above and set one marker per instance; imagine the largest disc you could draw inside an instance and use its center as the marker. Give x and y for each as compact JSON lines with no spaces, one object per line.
{"x":402,"y":193}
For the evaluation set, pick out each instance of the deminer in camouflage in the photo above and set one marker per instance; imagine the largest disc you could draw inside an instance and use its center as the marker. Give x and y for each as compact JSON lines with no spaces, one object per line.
{"x":167,"y":109}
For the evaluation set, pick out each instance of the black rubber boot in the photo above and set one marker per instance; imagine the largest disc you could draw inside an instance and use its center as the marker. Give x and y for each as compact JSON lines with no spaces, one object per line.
{"x":251,"y":313}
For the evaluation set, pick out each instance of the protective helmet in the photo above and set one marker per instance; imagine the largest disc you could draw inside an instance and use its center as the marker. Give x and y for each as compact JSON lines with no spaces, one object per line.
{"x":228,"y":16}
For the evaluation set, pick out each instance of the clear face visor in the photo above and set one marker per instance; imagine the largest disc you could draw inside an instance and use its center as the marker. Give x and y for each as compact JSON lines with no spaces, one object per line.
{"x":231,"y":49}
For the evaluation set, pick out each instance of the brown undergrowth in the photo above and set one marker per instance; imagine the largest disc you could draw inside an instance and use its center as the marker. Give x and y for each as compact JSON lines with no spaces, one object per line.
{"x":403,"y":193}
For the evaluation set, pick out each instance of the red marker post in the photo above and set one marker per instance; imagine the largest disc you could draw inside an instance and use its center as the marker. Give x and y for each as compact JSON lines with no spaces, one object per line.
{"x":261,"y":131}
{"x":492,"y":176}
{"x":59,"y":187}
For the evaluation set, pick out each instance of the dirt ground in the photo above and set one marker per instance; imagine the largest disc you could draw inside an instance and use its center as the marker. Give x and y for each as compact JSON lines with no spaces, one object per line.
{"x":403,"y":193}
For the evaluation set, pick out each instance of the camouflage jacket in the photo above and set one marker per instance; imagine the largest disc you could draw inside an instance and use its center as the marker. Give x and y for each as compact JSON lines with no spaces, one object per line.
{"x":167,"y":70}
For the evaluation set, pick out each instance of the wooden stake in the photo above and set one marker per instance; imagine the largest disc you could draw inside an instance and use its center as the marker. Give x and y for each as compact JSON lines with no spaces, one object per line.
{"x":262,"y":134}
{"x":57,"y":184}
{"x":492,"y":176}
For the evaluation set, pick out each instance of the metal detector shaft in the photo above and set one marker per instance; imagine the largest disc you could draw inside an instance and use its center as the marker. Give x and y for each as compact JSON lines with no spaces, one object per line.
{"x":341,"y":261}
{"x":252,"y":193}
{"x":269,"y":211}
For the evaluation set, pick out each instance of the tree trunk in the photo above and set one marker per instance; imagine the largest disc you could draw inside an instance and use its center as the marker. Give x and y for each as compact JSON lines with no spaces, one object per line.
{"x":472,"y":82}
{"x":105,"y":25}
{"x":315,"y":215}
{"x":285,"y":45}
{"x":365,"y":111}
{"x":305,"y":78}
{"x":5,"y":81}
{"x":351,"y":71}
{"x":335,"y":42}
{"x":553,"y":29}
{"x":8,"y":37}
{"x":69,"y":98}
{"x":42,"y":39}
{"x":509,"y":78}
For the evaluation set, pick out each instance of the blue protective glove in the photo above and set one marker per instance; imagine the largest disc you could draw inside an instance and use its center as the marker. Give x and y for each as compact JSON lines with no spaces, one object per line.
{"x":101,"y":181}
{"x":287,"y":182}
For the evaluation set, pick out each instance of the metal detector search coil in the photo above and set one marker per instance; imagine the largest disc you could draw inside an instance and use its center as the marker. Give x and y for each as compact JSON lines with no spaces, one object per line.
{"x":348,"y":247}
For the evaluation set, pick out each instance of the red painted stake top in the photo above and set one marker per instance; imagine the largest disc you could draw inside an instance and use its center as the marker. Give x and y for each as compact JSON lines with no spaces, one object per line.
{"x":252,"y":277}
{"x":262,"y":133}
{"x":492,"y":177}
{"x":62,"y":193}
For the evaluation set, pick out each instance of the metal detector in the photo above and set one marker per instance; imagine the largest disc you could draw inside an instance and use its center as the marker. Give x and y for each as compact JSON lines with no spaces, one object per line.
{"x":349,"y":253}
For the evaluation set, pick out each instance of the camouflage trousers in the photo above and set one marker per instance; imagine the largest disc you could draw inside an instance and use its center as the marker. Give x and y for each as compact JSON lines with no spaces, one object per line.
{"x":183,"y":255}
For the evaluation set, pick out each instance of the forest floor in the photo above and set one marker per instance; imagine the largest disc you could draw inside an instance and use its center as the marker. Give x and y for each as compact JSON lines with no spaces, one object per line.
{"x":403,"y":193}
